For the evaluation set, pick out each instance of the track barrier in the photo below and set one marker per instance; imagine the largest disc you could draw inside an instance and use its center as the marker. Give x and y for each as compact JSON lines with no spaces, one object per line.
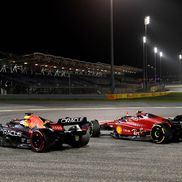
{"x":135,"y":95}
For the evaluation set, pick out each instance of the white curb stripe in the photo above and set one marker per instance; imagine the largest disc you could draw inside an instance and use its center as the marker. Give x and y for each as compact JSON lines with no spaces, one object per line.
{"x":89,"y":108}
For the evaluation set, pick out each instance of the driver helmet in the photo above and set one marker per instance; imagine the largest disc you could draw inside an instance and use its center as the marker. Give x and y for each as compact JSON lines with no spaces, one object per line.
{"x":26,"y":117}
{"x":139,"y":114}
{"x":24,"y":121}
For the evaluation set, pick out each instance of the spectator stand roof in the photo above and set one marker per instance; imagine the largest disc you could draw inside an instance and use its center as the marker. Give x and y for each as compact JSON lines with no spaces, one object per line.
{"x":50,"y":64}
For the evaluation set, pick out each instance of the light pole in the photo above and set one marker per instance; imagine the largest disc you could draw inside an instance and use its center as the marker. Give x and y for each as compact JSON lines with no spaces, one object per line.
{"x":180,"y":58}
{"x":160,"y":69}
{"x":112,"y":48}
{"x":146,"y":23}
{"x":144,"y":64}
{"x":155,"y":64}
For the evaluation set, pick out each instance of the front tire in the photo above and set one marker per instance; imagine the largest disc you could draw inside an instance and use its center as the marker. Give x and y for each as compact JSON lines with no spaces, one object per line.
{"x":95,"y":128}
{"x":161,"y":133}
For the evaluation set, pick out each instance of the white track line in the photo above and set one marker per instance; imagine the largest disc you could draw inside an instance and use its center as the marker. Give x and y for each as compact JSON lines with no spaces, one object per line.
{"x":79,"y":109}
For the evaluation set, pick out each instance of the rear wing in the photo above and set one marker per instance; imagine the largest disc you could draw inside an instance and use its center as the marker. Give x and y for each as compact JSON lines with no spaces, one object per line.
{"x":71,"y":121}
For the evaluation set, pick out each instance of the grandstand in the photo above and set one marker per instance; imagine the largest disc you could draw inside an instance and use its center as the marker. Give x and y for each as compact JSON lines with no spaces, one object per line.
{"x":39,"y":73}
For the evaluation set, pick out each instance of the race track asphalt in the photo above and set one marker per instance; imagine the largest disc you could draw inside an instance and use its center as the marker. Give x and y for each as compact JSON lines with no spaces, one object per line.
{"x":104,"y":159}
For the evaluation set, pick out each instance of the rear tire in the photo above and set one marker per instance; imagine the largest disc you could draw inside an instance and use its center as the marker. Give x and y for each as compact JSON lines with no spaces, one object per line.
{"x":41,"y":140}
{"x":161,"y":133}
{"x":80,"y":140}
{"x":178,"y":118}
{"x":95,"y":128}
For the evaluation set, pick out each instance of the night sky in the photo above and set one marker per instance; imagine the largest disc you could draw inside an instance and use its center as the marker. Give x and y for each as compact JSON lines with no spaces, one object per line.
{"x":80,"y":29}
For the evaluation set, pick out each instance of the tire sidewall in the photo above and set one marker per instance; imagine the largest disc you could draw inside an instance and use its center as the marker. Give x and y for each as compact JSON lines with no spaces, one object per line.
{"x":95,"y":128}
{"x":42,"y":145}
{"x":83,"y":140}
{"x":161,"y":133}
{"x":47,"y":140}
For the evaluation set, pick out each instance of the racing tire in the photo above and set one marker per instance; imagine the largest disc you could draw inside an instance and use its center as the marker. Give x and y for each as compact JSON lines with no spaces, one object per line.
{"x":78,"y":141}
{"x":161,"y":133}
{"x":1,"y":130}
{"x":178,"y":118}
{"x":41,"y":140}
{"x":95,"y":128}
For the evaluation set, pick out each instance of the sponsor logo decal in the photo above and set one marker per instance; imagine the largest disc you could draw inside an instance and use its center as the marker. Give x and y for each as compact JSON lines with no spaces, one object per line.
{"x":11,"y":132}
{"x":119,"y":130}
{"x":126,"y":130}
{"x":57,"y":127}
{"x":136,"y":124}
{"x":137,"y":132}
{"x":70,"y":120}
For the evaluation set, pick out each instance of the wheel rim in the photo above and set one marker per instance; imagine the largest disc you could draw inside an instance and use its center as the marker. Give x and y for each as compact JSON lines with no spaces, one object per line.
{"x":37,"y":141}
{"x":158,"y":134}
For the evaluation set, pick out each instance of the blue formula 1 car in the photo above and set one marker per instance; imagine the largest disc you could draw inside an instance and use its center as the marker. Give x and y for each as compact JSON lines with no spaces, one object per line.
{"x":39,"y":134}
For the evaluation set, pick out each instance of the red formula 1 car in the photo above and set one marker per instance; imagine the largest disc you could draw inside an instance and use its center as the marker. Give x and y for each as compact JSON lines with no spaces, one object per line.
{"x":145,"y":126}
{"x":40,"y":134}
